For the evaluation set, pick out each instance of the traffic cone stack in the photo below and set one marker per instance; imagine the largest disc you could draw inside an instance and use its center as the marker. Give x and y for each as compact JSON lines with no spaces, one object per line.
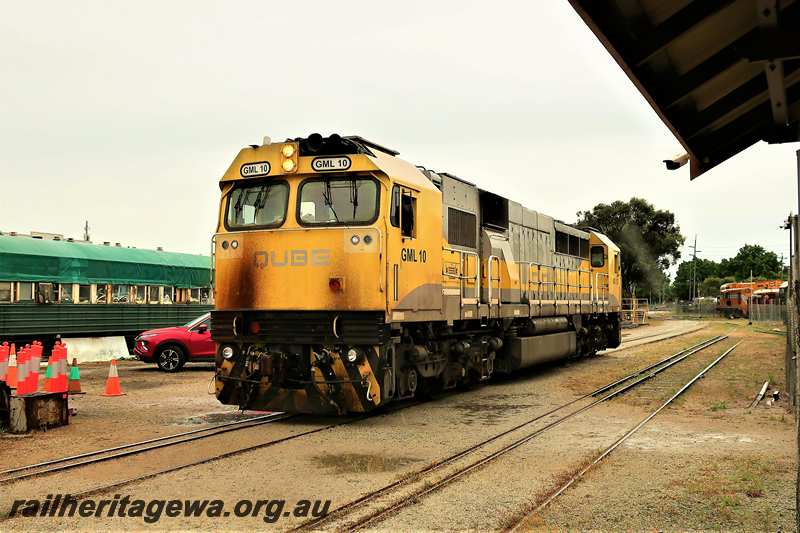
{"x":58,"y":381}
{"x":112,"y":383}
{"x":3,"y":361}
{"x":12,"y":372}
{"x":22,"y":371}
{"x":34,"y":361}
{"x":74,"y":386}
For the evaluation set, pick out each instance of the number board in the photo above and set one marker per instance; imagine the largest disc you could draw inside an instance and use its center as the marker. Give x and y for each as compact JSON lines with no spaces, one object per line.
{"x":252,"y":170}
{"x":328,"y":164}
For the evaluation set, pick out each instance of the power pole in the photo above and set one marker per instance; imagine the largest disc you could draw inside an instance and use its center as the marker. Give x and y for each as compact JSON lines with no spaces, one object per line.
{"x":86,"y":231}
{"x":693,"y":292}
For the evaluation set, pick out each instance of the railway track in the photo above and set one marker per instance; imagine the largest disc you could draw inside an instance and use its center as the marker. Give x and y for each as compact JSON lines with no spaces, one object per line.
{"x":379,"y":504}
{"x":519,"y":524}
{"x":54,"y":466}
{"x":45,"y":468}
{"x":133,"y":448}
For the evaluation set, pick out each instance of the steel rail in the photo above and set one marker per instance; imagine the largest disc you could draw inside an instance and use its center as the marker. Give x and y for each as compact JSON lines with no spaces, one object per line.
{"x":622,"y":439}
{"x":342,"y":510}
{"x":98,"y":456}
{"x":99,"y":489}
{"x":132,"y":444}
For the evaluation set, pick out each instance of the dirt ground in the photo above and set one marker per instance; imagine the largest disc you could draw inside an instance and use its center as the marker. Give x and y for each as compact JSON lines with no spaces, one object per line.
{"x":707,"y":462}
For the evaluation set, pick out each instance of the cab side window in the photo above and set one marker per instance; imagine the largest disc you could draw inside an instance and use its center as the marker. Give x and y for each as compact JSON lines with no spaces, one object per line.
{"x":394,"y":211}
{"x":408,"y":208}
{"x":598,"y":256}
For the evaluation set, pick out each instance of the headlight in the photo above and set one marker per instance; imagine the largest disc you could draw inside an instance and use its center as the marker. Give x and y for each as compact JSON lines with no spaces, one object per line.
{"x":352,"y":355}
{"x":234,"y":244}
{"x":227,"y":352}
{"x":287,"y":150}
{"x":354,"y":239}
{"x":288,"y":165}
{"x":146,"y":336}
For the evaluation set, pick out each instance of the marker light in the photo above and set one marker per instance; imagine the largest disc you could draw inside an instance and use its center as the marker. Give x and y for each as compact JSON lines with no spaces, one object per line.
{"x":287,"y":150}
{"x":354,"y":239}
{"x":352,"y":355}
{"x":288,"y":165}
{"x":234,"y":244}
{"x":224,"y":245}
{"x":255,"y":327}
{"x":227,"y":352}
{"x":367,"y":239}
{"x":335,"y":284}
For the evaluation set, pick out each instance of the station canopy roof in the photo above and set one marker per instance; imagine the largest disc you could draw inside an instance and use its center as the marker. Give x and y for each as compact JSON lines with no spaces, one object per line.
{"x":29,"y":259}
{"x":721,"y":74}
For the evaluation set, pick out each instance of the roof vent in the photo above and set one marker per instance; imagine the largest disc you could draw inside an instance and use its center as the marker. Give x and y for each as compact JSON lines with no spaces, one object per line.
{"x":70,"y":239}
{"x":118,"y":245}
{"x":106,"y":243}
{"x":160,"y":248}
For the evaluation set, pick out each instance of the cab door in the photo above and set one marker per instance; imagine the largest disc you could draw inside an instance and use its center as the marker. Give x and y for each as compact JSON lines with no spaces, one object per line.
{"x":414,"y":252}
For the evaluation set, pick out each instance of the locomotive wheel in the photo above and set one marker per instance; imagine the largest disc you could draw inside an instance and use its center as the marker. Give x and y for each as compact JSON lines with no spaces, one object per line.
{"x":170,"y":358}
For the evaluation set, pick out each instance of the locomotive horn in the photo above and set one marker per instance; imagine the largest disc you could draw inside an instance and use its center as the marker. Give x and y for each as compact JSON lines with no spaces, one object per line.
{"x":314,"y":143}
{"x":334,"y":140}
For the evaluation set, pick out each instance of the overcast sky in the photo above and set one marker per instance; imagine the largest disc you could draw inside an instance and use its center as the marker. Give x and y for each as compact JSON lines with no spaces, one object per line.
{"x":126,"y":114}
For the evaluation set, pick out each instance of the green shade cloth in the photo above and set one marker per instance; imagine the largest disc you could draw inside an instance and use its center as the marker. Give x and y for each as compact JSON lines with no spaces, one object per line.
{"x":27,"y":259}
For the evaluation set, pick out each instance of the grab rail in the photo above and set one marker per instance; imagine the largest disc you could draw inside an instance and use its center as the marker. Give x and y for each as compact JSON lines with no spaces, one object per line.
{"x":490,"y":279}
{"x":462,"y":268}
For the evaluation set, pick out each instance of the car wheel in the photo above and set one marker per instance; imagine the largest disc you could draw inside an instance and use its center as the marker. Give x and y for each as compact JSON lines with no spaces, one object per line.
{"x":170,"y":358}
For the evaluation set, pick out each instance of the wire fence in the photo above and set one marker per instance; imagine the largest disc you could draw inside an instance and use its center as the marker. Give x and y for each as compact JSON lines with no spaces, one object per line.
{"x":768,"y":313}
{"x":697,"y":308}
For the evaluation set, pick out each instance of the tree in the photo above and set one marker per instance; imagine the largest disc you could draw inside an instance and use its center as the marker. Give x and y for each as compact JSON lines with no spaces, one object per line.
{"x":752,"y":258}
{"x":648,"y":238}
{"x":686,"y":273}
{"x":710,"y":286}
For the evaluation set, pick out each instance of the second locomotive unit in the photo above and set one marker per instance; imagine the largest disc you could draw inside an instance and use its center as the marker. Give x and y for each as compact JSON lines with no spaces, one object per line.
{"x":347,"y":278}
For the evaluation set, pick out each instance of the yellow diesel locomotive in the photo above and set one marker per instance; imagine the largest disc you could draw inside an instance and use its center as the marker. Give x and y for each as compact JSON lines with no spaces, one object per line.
{"x":347,"y":278}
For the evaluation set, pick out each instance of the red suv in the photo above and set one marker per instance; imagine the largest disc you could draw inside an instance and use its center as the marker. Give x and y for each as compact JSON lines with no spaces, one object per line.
{"x":171,"y":348}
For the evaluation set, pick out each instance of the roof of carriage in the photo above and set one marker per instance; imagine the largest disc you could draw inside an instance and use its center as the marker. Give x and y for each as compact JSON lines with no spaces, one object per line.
{"x":31,"y":259}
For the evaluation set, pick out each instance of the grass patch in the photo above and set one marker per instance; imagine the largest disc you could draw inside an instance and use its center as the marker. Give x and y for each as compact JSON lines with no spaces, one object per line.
{"x":719,"y":406}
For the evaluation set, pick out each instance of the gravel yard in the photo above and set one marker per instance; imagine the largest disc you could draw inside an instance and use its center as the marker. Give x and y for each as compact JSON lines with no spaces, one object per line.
{"x":706,"y":462}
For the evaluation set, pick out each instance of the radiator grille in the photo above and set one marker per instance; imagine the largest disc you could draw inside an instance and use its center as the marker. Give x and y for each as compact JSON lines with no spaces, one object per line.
{"x":461,"y":228}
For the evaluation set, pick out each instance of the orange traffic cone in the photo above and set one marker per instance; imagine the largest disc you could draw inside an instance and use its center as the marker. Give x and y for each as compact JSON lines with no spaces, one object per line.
{"x":33,"y":367}
{"x":23,"y":357}
{"x":74,"y":378}
{"x":112,"y":383}
{"x":11,"y":374}
{"x":60,"y":368}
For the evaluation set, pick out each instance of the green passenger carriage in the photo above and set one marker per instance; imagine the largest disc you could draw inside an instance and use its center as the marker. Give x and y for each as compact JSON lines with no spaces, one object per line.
{"x":53,"y":287}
